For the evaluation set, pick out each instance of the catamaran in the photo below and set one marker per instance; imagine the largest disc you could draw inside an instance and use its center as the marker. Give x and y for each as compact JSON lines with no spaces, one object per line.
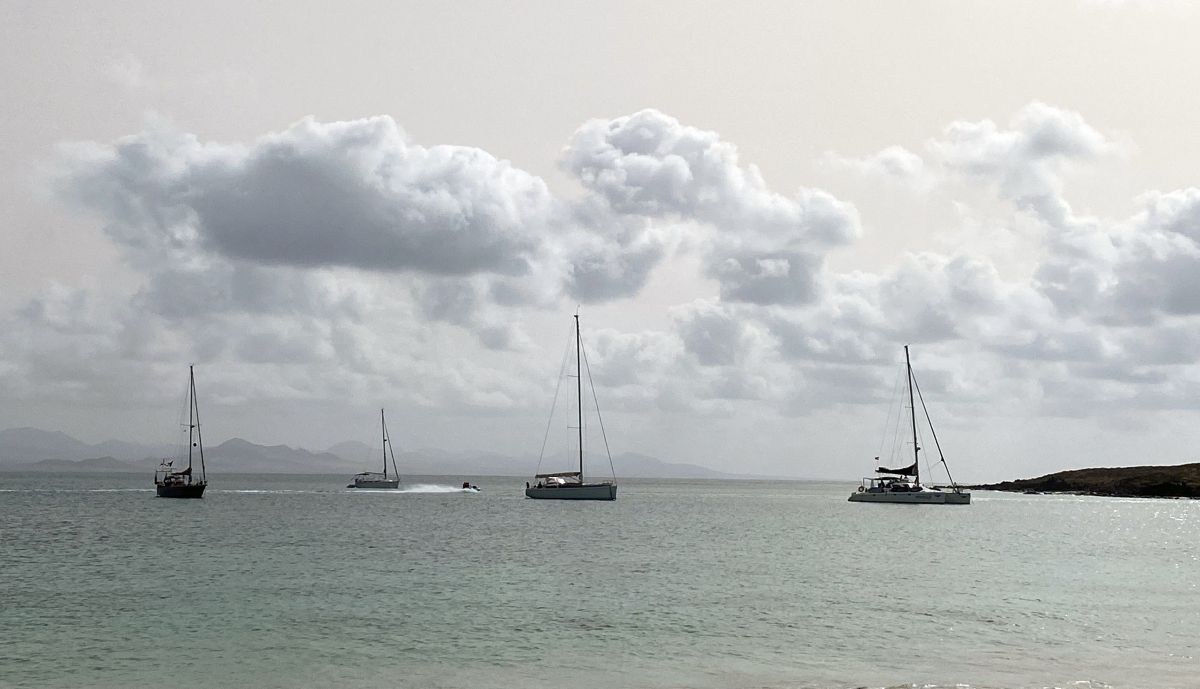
{"x":170,"y":482}
{"x":376,"y":480}
{"x":570,"y":485}
{"x":896,"y":486}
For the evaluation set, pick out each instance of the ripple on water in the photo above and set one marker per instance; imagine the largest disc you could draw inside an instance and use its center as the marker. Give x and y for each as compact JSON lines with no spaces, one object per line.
{"x":297,"y":582}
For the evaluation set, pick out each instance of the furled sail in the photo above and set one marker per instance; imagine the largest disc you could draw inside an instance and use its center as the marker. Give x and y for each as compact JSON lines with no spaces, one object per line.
{"x":910,"y":470}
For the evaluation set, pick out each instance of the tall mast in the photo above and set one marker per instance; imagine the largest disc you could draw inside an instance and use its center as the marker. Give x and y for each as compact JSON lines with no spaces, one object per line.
{"x":579,"y":395}
{"x":191,"y":416}
{"x":383,"y":430}
{"x":199,"y":436}
{"x":912,"y":407}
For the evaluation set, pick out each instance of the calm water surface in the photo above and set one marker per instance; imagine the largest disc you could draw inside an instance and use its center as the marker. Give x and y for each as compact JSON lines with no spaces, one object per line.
{"x":275,"y":581}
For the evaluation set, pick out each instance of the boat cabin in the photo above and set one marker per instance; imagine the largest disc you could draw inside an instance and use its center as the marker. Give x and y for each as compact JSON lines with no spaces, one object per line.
{"x":889,"y":484}
{"x":558,"y":480}
{"x":166,"y":475}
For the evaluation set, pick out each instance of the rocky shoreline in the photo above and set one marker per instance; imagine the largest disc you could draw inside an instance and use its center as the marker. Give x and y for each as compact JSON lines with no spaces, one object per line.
{"x":1179,"y":481}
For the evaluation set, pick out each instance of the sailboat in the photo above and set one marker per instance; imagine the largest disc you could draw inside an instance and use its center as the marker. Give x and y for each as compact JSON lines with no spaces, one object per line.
{"x":172,"y":483}
{"x":896,"y":486}
{"x":371,"y":479}
{"x":570,"y":485}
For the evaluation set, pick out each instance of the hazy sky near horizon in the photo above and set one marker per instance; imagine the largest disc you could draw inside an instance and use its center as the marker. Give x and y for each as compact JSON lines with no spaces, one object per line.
{"x":329,"y":209}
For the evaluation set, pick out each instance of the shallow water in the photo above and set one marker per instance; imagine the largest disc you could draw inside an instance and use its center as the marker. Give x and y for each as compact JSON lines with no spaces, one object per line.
{"x":274,"y":581}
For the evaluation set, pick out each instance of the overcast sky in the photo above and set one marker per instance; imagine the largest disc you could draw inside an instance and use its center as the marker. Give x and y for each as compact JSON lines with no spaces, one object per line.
{"x":330,"y":208}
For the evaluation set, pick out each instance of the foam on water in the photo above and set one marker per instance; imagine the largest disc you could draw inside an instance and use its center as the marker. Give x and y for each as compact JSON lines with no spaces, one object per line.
{"x":265,"y":492}
{"x":76,"y":490}
{"x":434,"y":488}
{"x":414,"y":488}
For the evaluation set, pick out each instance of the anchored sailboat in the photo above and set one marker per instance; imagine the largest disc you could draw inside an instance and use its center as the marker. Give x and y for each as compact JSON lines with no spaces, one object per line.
{"x":570,"y":485}
{"x":895,"y":486}
{"x":371,"y":479}
{"x":172,"y":483}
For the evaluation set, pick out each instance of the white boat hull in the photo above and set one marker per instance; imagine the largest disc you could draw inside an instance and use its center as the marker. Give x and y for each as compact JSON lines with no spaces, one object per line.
{"x":923,"y":497}
{"x":963,"y":498}
{"x":377,"y":484}
{"x":587,"y":491}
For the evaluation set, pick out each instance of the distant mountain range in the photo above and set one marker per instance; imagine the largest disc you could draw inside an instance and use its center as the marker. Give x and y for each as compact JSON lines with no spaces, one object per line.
{"x":33,"y":449}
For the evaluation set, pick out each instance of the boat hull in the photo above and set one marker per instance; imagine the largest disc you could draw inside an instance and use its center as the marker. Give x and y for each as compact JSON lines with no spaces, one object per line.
{"x":187,"y":490}
{"x":586,"y":491}
{"x":390,"y":484}
{"x":924,"y":497}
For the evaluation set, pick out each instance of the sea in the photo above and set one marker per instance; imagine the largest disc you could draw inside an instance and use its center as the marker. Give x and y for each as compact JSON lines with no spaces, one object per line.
{"x":291,"y":582}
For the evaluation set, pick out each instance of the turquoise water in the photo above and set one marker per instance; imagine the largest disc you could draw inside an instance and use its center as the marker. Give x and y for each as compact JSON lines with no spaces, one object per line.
{"x":275,"y":581}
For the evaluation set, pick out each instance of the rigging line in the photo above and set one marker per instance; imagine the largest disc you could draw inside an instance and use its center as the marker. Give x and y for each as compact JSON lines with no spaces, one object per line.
{"x":177,"y":445}
{"x":553,"y":404}
{"x":921,"y":445}
{"x":888,"y":422}
{"x":391,"y":447}
{"x":934,"y":432}
{"x":598,"y":416}
{"x":199,"y":438}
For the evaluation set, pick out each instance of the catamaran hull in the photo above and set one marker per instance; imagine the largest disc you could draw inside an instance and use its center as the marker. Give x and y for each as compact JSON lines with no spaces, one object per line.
{"x":914,"y":498}
{"x":194,"y":490}
{"x":376,"y":485}
{"x":593,"y":491}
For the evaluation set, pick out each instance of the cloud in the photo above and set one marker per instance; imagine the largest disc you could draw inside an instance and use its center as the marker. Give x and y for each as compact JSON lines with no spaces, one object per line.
{"x":342,"y":257}
{"x":1155,"y":260}
{"x":1024,"y":160}
{"x":1101,"y":299}
{"x":767,"y":277}
{"x":615,"y":258}
{"x":352,"y":194}
{"x":650,"y":164}
{"x":713,"y":334}
{"x":894,"y":163}
{"x":765,"y":246}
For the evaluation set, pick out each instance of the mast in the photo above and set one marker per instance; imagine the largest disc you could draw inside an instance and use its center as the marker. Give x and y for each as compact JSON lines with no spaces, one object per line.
{"x":199,"y":437}
{"x":579,"y":395}
{"x":191,"y":416}
{"x":913,"y":408}
{"x":383,"y":430}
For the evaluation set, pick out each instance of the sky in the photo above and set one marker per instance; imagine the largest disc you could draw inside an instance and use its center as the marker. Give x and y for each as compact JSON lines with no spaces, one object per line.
{"x":332,"y":208}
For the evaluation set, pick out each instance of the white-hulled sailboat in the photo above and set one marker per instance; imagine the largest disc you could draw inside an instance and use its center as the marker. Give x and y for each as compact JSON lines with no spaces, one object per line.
{"x":570,"y":485}
{"x":896,"y":486}
{"x":376,"y":480}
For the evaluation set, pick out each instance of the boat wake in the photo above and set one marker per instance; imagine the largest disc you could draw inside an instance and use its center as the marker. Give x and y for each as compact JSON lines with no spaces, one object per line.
{"x":279,"y":491}
{"x":434,"y":488}
{"x":415,"y":488}
{"x":76,"y":490}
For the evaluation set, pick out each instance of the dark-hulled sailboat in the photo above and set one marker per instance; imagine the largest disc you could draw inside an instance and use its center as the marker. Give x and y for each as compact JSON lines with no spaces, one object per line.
{"x":380,"y":481}
{"x":570,"y":485}
{"x":179,"y":483}
{"x":895,"y":485}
